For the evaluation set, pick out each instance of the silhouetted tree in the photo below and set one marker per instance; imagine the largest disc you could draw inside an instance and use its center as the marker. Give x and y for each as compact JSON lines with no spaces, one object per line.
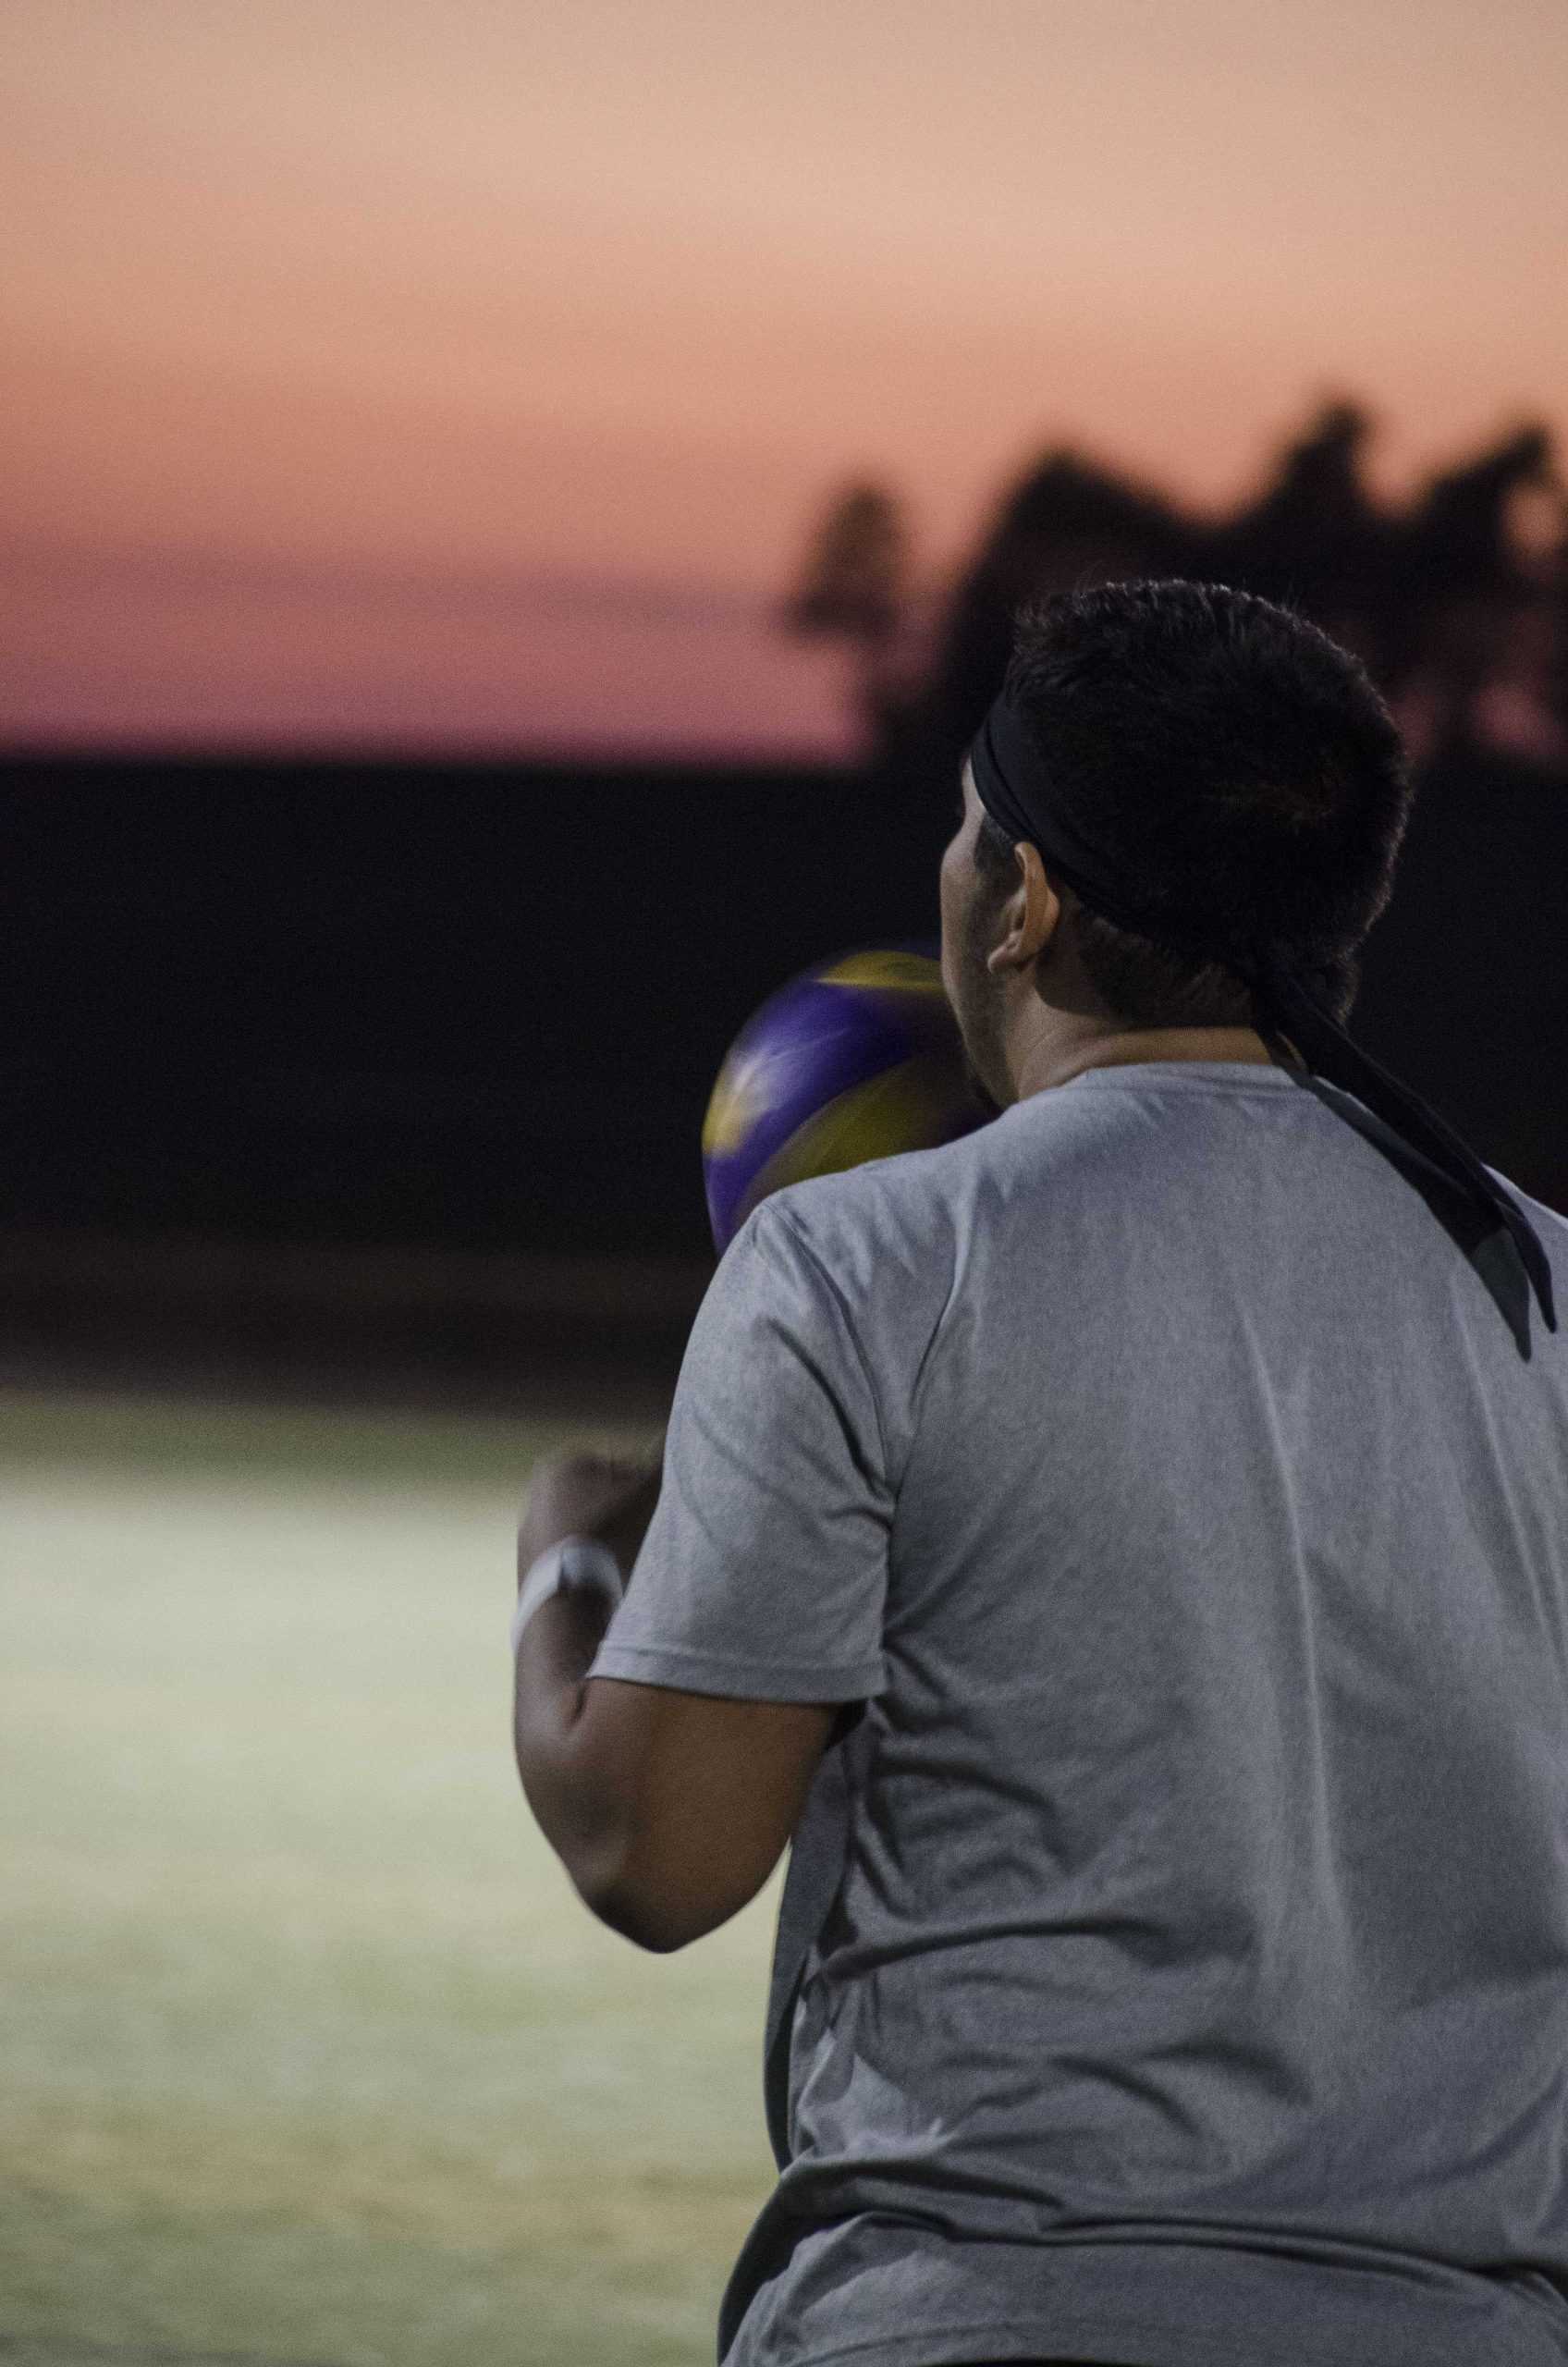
{"x":853,"y":588}
{"x":1316,"y":539}
{"x":1556,"y":575}
{"x":1460,"y":531}
{"x":1462,"y":590}
{"x":1069,"y":523}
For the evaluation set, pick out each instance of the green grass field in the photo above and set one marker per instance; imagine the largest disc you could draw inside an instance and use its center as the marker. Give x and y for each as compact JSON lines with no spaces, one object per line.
{"x":308,"y":2049}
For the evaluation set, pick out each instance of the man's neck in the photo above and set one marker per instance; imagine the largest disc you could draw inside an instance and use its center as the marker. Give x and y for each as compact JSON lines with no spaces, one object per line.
{"x":1057,"y":1062}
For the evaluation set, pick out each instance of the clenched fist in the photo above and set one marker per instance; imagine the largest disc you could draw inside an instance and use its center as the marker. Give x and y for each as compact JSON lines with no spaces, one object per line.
{"x":589,"y":1495}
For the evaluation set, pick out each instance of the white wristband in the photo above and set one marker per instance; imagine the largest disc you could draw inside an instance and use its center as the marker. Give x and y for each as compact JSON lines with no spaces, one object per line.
{"x":561,"y":1569}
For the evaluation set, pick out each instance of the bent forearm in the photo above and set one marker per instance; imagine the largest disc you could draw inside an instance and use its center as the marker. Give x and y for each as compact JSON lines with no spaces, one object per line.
{"x":554,"y":1653}
{"x":581,"y":1781}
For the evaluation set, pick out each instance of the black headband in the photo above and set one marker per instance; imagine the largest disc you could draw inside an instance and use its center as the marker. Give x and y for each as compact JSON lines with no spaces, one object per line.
{"x":1015,"y":789}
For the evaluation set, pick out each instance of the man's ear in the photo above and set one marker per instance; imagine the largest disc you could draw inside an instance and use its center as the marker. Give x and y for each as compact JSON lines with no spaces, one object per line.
{"x":1030,"y":915}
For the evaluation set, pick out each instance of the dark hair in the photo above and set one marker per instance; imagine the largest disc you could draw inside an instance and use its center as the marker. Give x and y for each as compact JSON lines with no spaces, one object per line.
{"x":1238,"y":769}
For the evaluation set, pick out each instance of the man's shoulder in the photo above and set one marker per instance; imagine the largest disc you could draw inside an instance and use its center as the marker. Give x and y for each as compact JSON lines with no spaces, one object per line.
{"x":922,"y":1197}
{"x":910,"y":1192}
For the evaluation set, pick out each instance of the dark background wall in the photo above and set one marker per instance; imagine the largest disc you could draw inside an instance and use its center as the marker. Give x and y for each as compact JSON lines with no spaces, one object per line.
{"x":480,"y":1008}
{"x":483,"y":1009}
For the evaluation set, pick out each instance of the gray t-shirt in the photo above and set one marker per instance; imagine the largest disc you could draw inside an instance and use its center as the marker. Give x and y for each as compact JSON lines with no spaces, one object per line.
{"x":1172,"y":1965}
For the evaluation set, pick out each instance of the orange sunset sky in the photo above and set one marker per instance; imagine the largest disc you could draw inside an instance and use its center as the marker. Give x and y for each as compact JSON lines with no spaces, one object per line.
{"x":435,"y":375}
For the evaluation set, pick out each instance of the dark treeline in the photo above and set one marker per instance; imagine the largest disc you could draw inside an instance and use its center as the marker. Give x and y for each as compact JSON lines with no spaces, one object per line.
{"x":1460,"y":613}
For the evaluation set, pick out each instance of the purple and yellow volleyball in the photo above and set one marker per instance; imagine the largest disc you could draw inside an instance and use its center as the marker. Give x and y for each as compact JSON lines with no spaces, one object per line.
{"x":854,"y":1060}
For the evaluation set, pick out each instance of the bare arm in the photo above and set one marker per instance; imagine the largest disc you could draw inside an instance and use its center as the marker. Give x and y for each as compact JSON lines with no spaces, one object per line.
{"x":669,"y":1810}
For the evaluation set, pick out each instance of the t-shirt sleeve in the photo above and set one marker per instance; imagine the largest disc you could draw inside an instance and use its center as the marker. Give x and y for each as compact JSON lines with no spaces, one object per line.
{"x":762,"y":1574}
